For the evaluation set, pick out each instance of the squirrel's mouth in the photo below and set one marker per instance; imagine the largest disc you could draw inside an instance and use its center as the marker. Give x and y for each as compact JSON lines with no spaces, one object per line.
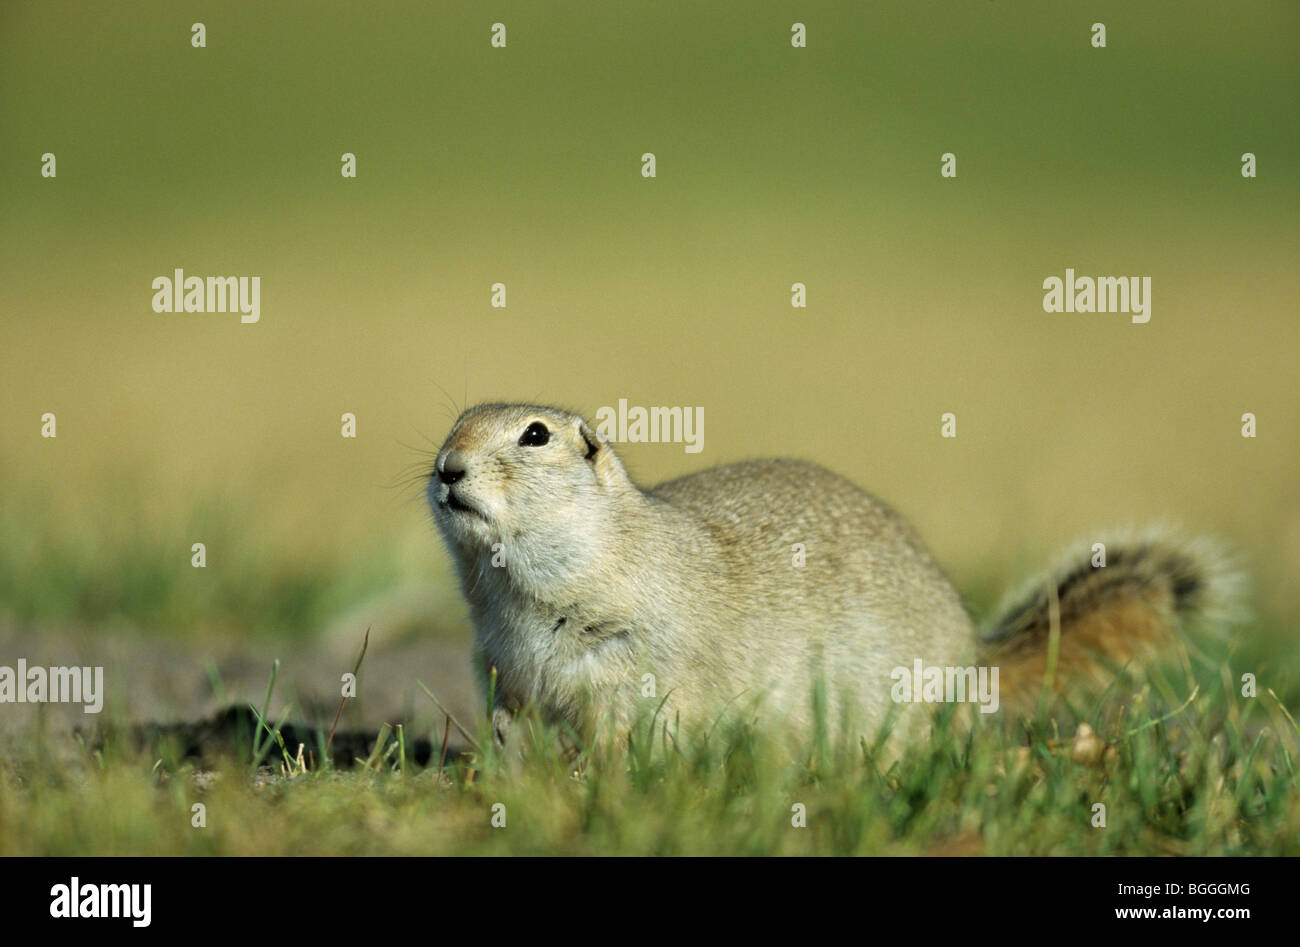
{"x":453,"y":502}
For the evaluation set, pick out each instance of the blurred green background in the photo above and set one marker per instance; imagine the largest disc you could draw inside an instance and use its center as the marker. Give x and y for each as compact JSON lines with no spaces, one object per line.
{"x":522,"y":165}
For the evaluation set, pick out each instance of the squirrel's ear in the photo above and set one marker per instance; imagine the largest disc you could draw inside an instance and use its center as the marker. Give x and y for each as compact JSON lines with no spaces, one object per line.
{"x":600,"y":455}
{"x":590,"y":438}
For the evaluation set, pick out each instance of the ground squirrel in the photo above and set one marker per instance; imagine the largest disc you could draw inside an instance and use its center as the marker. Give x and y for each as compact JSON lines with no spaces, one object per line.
{"x":590,"y":595}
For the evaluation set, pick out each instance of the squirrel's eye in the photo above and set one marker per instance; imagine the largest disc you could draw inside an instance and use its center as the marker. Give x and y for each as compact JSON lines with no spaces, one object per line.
{"x":535,"y":435}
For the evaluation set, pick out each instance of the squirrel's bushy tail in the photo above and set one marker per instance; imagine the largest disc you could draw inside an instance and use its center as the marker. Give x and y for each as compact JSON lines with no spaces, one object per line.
{"x":1132,"y":608}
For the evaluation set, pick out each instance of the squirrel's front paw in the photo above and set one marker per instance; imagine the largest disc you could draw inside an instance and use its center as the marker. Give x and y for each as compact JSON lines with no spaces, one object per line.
{"x":502,"y":721}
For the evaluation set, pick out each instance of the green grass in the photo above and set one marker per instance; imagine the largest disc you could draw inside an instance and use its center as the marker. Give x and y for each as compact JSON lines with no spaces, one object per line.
{"x":1214,"y":775}
{"x":117,"y":562}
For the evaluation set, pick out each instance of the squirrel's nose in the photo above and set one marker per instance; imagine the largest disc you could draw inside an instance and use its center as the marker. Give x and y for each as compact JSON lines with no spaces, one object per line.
{"x":451,"y":467}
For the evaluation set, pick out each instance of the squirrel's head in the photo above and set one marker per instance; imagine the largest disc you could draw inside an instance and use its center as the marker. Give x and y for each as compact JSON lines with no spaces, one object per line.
{"x":539,"y":481}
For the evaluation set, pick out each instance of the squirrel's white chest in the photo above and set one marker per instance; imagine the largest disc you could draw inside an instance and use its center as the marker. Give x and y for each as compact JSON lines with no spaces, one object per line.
{"x":556,"y":660}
